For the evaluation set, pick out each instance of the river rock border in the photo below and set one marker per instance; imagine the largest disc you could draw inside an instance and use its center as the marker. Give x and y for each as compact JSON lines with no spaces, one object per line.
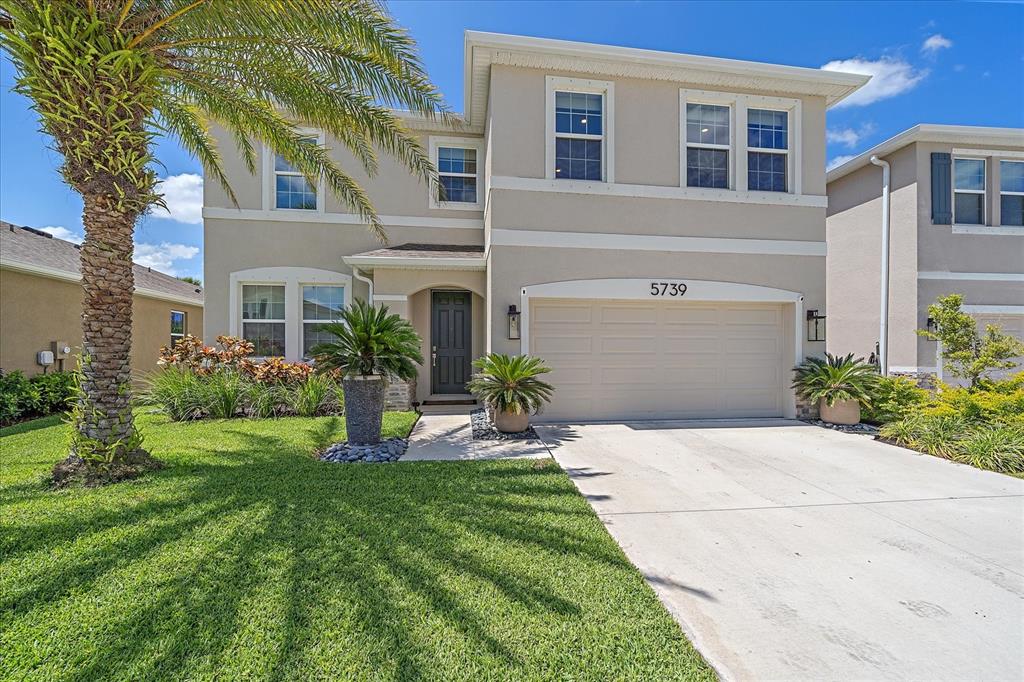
{"x":389,"y":450}
{"x":484,"y":429}
{"x":862,"y":428}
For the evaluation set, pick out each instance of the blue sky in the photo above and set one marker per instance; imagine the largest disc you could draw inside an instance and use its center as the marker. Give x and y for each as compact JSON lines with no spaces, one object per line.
{"x":957,"y":63}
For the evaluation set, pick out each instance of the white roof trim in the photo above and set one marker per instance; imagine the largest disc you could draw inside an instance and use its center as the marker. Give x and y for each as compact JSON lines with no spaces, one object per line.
{"x":64,"y":275}
{"x":371,"y":262}
{"x":484,"y":49}
{"x":928,"y":132}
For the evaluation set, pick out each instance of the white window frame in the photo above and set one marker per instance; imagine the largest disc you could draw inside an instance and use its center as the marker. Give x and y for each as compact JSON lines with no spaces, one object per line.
{"x":270,"y":179}
{"x":293,"y":279}
{"x":591,"y":87}
{"x":983,"y":192}
{"x":717,"y":99}
{"x":302,"y":318}
{"x":792,"y":165}
{"x":435,"y":143}
{"x":1000,"y":191}
{"x":738,"y":154}
{"x":283,"y":321}
{"x":184,"y":327}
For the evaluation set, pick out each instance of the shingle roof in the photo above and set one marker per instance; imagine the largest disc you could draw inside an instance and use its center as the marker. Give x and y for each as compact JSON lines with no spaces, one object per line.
{"x":33,"y":247}
{"x":425,"y":251}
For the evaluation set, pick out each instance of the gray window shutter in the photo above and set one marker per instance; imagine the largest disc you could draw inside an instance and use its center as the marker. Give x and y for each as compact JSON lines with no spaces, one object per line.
{"x":942,"y":189}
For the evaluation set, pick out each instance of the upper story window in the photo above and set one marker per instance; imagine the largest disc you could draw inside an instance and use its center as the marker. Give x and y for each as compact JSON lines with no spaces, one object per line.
{"x":457,"y":168}
{"x":579,"y":135}
{"x":320,"y":304}
{"x":459,"y":161}
{"x":1011,"y":192}
{"x":177,"y":326}
{"x":708,"y":145}
{"x":767,"y":150}
{"x":291,"y":188}
{"x":578,"y":128}
{"x":263,"y":318}
{"x":969,"y":191}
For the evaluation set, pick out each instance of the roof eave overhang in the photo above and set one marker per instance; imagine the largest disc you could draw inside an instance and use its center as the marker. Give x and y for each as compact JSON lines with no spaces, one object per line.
{"x":927,"y":132}
{"x":484,"y":49}
{"x":65,"y":276}
{"x":369,"y":263}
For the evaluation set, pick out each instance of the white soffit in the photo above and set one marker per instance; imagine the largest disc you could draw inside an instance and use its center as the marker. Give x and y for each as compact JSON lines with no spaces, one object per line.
{"x":484,"y":49}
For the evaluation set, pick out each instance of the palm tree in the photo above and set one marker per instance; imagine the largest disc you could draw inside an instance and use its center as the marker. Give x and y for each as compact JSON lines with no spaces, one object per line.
{"x":107,"y":77}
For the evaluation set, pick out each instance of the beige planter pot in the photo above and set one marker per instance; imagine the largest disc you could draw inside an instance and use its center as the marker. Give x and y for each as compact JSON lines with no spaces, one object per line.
{"x":508,"y":422}
{"x":843,"y":412}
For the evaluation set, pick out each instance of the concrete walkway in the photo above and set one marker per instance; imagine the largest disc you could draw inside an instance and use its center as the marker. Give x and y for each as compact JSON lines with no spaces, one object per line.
{"x":792,"y":552}
{"x":449,"y":437}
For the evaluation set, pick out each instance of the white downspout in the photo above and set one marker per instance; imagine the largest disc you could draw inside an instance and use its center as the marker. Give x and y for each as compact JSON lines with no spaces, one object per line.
{"x":369,"y":283}
{"x":883,"y":328}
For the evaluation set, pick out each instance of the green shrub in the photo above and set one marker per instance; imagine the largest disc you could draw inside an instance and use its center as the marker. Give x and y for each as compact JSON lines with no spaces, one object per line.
{"x":319,"y":394}
{"x":225,"y":391}
{"x":998,"y":448}
{"x":179,"y":392}
{"x":43,"y":394}
{"x":56,"y":390}
{"x":995,"y":447}
{"x":893,"y":398}
{"x":510,"y":383}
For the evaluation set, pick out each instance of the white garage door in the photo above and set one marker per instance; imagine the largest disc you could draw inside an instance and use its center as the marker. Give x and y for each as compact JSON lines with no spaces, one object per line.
{"x":661,"y":360}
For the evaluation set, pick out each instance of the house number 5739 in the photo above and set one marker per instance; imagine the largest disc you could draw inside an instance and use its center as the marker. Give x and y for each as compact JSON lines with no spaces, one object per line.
{"x":667,"y":289}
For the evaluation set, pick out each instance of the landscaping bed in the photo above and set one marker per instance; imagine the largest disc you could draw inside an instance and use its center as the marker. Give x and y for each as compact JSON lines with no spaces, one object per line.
{"x":484,"y":429}
{"x":246,"y":558}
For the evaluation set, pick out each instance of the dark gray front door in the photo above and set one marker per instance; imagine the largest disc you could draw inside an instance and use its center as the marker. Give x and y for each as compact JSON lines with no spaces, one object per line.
{"x":450,"y":341}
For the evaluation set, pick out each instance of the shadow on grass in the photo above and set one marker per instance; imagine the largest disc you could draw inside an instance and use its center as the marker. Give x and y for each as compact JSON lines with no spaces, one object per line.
{"x":264,"y":562}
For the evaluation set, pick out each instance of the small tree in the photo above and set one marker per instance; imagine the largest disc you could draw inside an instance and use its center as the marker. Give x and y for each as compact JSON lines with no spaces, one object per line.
{"x":967,"y":353}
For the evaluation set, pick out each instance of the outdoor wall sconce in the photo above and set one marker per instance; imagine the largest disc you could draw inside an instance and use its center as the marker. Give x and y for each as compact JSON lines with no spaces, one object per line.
{"x":930,"y":324}
{"x":815,"y":326}
{"x":513,"y":322}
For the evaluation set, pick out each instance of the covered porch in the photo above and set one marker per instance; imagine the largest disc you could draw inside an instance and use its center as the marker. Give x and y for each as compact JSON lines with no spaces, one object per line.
{"x":441,"y":290}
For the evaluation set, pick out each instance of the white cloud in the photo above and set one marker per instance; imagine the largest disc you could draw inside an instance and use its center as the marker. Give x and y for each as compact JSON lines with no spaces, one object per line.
{"x":62,"y":233}
{"x":959,"y":68}
{"x":183,"y":195}
{"x":849,"y":136}
{"x":839,"y":161}
{"x":889,"y":77}
{"x":162,"y":256}
{"x":935,"y":43}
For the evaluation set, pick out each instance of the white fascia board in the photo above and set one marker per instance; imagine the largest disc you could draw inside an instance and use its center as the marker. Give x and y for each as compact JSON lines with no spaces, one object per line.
{"x":972,"y":276}
{"x":372,"y":262}
{"x":220,"y":213}
{"x":65,"y":276}
{"x":926,"y":132}
{"x":993,"y":309}
{"x":644,"y":242}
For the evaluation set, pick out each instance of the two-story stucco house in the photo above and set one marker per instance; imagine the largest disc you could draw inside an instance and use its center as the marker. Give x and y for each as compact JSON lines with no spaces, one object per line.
{"x":956,"y":226}
{"x":651,"y":224}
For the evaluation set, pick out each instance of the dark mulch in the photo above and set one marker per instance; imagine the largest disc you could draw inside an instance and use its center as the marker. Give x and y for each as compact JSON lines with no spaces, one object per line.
{"x":484,"y":429}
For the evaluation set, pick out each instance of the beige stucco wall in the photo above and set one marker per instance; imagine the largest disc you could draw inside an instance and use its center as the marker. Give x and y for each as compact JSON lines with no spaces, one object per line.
{"x":36,"y":310}
{"x":233,"y":245}
{"x":512,"y":268}
{"x":646,"y":135}
{"x":394,"y":190}
{"x":854,"y":261}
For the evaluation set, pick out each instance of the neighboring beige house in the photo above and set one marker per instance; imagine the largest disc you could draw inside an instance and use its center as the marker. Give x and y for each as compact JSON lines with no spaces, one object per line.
{"x":655,"y":221}
{"x":957,"y":226}
{"x":41,"y":305}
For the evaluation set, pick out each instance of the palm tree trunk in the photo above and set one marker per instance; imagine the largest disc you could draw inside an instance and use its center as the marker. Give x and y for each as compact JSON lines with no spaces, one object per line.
{"x":104,"y":421}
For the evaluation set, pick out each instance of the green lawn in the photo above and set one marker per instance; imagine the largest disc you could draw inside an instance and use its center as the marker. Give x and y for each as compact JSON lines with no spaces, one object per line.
{"x":247,"y":559}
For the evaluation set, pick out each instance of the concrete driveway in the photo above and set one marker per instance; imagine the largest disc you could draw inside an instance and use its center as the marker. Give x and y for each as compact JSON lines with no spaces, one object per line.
{"x":788,"y":551}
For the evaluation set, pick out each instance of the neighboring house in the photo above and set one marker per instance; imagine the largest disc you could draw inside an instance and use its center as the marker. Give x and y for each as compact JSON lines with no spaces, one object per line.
{"x":651,"y":224}
{"x":957,"y":226}
{"x":41,"y":305}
